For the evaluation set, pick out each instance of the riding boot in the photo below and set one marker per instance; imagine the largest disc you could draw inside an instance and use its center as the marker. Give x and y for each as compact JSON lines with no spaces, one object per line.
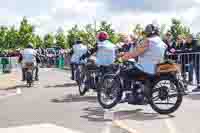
{"x":23,"y":74}
{"x":72,"y":72}
{"x":36,"y":73}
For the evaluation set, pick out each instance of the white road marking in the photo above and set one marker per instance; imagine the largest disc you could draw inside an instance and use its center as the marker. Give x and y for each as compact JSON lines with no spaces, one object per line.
{"x":40,"y":128}
{"x":122,"y":125}
{"x":107,"y":128}
{"x":18,"y":92}
{"x":170,"y":126}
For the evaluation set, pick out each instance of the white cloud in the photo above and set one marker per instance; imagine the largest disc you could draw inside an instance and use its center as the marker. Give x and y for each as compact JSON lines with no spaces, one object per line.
{"x":151,"y":5}
{"x":49,"y":15}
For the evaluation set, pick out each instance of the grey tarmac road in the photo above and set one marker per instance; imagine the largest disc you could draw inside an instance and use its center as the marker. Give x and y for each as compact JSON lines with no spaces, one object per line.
{"x":53,"y":105}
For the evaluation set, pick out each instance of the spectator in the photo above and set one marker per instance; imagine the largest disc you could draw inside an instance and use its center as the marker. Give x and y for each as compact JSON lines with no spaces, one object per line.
{"x":168,"y":40}
{"x":127,"y":43}
{"x":179,"y":44}
{"x":133,"y":42}
{"x":174,"y":47}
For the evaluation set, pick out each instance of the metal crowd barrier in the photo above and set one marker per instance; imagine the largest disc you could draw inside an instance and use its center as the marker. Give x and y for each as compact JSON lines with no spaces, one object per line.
{"x":12,"y":63}
{"x":190,"y":63}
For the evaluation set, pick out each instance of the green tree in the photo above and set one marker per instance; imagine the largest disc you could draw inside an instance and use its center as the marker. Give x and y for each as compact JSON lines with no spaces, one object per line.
{"x":104,"y":26}
{"x":90,"y":35}
{"x":61,"y":40}
{"x":11,"y":39}
{"x":3,"y":32}
{"x":177,"y":28}
{"x":25,"y":32}
{"x":48,"y":40}
{"x":72,"y":35}
{"x":37,"y":40}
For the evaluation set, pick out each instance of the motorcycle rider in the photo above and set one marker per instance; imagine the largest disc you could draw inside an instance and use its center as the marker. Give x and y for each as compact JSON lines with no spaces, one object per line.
{"x":77,"y":51}
{"x":150,"y":52}
{"x":29,"y":55}
{"x":104,"y":49}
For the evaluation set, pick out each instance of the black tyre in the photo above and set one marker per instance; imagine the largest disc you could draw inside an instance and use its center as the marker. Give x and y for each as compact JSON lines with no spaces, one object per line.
{"x":110,"y":89}
{"x":29,"y":78}
{"x":164,"y":86}
{"x":82,"y":87}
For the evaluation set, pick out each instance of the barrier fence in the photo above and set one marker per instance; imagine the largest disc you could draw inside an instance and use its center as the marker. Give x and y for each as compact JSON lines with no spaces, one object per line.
{"x":11,"y":64}
{"x":190,"y":63}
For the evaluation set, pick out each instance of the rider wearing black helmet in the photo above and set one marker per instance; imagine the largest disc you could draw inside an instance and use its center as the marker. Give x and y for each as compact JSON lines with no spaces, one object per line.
{"x":150,"y":51}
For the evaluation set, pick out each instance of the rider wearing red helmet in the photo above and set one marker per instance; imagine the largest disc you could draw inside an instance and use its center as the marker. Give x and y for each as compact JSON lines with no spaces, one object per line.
{"x":104,"y":49}
{"x":102,"y":36}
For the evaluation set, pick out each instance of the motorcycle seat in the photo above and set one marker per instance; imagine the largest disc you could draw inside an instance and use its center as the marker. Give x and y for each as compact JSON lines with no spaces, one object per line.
{"x":168,"y":68}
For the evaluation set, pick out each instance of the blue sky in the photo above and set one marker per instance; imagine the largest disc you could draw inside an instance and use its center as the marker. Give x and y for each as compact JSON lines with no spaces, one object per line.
{"x":49,"y":15}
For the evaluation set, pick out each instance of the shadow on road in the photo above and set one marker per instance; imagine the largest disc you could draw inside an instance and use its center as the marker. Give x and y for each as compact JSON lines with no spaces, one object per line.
{"x":194,"y":96}
{"x":75,"y":98}
{"x":139,"y":115}
{"x":94,"y":114}
{"x":97,"y":114}
{"x":62,"y":85}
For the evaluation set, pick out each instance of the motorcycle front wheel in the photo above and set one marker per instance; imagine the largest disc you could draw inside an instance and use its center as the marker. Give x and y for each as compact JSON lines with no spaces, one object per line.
{"x":166,"y":95}
{"x":82,"y":87}
{"x":109,"y":92}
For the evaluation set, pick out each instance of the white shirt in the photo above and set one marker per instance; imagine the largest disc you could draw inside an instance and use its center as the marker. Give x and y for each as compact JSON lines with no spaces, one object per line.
{"x":106,"y":53}
{"x":78,"y":51}
{"x":29,"y":56}
{"x":153,"y":56}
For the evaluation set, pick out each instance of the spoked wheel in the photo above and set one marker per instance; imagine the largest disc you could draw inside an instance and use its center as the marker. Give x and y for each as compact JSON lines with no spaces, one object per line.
{"x":166,"y":96}
{"x":109,"y":92}
{"x":82,"y":87}
{"x":29,"y":78}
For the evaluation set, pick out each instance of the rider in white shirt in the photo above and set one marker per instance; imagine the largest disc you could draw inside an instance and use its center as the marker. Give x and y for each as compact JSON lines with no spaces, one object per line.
{"x":78,"y":50}
{"x":150,"y":52}
{"x":29,"y":55}
{"x":104,"y":49}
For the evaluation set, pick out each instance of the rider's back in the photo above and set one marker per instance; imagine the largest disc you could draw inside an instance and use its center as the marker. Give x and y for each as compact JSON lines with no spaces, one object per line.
{"x":154,"y":55}
{"x":106,"y":53}
{"x":29,"y":55}
{"x":78,"y":51}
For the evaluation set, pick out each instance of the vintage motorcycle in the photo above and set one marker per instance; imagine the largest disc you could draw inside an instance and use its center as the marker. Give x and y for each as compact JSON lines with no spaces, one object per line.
{"x":159,"y":90}
{"x":90,"y":75}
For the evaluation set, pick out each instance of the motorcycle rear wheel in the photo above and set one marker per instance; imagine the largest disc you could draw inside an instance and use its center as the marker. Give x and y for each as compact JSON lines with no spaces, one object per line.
{"x":29,"y":78}
{"x":164,"y":95}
